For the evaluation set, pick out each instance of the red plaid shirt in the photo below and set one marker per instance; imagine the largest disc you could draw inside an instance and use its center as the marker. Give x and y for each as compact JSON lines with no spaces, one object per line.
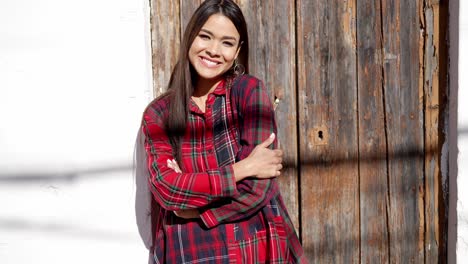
{"x":244,"y":222}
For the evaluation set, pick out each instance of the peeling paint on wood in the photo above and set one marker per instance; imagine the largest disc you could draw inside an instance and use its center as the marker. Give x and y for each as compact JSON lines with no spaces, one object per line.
{"x":434,"y":86}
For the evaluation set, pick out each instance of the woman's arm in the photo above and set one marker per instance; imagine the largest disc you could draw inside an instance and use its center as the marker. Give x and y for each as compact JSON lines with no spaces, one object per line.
{"x":178,"y":191}
{"x":175,"y":190}
{"x":255,"y":126}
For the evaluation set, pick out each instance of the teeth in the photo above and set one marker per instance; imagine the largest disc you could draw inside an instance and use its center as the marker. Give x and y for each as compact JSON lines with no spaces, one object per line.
{"x":210,"y":63}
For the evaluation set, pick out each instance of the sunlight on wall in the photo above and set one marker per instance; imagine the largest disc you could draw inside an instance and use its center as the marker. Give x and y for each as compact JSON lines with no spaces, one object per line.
{"x":75,"y":77}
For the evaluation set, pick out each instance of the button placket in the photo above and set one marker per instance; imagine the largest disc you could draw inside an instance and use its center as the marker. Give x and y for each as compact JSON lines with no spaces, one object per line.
{"x":209,"y":147}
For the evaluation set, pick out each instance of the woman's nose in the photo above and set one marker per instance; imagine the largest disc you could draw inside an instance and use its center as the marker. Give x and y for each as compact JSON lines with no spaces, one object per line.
{"x":213,"y":50}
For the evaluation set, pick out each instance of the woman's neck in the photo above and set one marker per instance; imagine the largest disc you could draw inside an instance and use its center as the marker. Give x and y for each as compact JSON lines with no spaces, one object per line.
{"x":205,"y":86}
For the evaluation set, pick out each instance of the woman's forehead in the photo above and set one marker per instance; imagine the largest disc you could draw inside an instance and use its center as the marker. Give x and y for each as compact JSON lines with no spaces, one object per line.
{"x":220,"y":26}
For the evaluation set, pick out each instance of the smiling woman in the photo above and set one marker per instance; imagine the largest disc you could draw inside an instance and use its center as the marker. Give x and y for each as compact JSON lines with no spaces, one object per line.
{"x":210,"y":153}
{"x":212,"y":54}
{"x":214,"y":49}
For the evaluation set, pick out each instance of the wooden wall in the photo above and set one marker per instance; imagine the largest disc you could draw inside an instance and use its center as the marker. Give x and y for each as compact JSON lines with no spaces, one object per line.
{"x":362,"y":87}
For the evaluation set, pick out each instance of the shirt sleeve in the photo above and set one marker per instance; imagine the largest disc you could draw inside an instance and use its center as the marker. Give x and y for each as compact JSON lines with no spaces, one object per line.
{"x":256,"y":123}
{"x":177,"y":191}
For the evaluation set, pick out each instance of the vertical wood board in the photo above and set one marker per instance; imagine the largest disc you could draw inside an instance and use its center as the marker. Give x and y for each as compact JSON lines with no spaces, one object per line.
{"x":404,"y":129}
{"x":432,"y":17}
{"x":327,"y":98}
{"x":165,"y":41}
{"x":275,"y":65}
{"x":373,"y":168}
{"x":187,"y":8}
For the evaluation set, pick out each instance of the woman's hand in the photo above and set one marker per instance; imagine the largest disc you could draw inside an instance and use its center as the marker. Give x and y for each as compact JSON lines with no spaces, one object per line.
{"x":188,"y":213}
{"x":173,"y":165}
{"x":261,"y":163}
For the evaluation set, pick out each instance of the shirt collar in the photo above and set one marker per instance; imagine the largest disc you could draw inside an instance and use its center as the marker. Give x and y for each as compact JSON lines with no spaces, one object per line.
{"x":219,"y":90}
{"x":221,"y":87}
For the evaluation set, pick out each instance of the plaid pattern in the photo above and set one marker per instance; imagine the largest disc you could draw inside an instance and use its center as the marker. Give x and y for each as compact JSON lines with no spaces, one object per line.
{"x":244,"y":222}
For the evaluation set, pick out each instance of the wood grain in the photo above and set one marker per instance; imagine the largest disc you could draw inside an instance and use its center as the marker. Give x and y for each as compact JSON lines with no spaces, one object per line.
{"x":434,"y":73}
{"x":328,"y":143}
{"x":272,"y":59}
{"x":165,"y":41}
{"x":374,"y":193}
{"x":404,"y":130}
{"x":187,"y":8}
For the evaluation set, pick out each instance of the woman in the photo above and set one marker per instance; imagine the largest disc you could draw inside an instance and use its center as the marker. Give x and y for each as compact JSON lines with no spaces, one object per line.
{"x":209,"y":144}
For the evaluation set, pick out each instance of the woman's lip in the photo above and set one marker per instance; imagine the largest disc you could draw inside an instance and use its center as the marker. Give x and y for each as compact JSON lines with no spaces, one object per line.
{"x":204,"y":61}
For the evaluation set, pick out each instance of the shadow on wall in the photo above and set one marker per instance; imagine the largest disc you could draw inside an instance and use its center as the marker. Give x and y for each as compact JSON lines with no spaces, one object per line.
{"x":67,"y":229}
{"x":63,"y":176}
{"x":462,"y":132}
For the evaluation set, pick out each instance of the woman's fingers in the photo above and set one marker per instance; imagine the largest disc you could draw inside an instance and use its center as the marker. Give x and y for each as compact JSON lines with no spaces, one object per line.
{"x":172,"y":164}
{"x":268,"y":141}
{"x":278,"y":152}
{"x":176,"y":166}
{"x":169,"y":164}
{"x":187,"y":213}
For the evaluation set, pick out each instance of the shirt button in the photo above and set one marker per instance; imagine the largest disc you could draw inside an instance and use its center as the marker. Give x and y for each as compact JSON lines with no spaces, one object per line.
{"x":210,"y":151}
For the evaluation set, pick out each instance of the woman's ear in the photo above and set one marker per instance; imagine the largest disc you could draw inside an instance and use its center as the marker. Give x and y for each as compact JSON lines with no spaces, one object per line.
{"x":237,"y":55}
{"x":238,"y":50}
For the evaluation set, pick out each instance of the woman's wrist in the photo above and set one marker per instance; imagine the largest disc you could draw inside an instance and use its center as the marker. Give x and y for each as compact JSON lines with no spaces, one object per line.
{"x":242,"y":169}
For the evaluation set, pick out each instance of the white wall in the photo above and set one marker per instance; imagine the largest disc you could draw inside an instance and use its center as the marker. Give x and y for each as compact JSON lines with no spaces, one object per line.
{"x":462,"y":179}
{"x":74,"y":79}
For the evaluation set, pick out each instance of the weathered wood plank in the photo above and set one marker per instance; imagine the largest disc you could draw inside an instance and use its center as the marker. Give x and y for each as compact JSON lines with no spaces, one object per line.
{"x":187,"y":8}
{"x":275,"y":65}
{"x":165,"y":41}
{"x":434,"y":84}
{"x":372,"y":136}
{"x":327,"y":98}
{"x":404,"y":129}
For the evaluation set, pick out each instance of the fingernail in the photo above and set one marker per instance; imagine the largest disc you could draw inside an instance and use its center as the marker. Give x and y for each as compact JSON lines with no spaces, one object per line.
{"x":272,"y":135}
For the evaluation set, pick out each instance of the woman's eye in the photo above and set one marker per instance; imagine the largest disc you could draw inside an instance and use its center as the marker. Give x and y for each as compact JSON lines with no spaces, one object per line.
{"x":202,"y":36}
{"x":228,"y":44}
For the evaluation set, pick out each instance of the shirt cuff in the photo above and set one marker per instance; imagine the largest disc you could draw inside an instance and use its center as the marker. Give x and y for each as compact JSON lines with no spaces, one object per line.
{"x":209,"y":219}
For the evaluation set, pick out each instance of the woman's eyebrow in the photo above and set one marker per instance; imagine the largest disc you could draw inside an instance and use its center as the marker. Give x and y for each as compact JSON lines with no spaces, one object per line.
{"x":211,"y":33}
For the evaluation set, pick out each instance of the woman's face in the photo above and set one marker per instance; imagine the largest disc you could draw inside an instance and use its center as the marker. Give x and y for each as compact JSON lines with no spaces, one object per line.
{"x":215,"y":48}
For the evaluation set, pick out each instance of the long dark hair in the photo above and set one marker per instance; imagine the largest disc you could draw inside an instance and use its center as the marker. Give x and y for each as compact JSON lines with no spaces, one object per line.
{"x":181,"y":83}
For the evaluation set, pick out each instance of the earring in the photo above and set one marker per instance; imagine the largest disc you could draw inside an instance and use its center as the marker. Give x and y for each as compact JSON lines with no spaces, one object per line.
{"x":238,"y":69}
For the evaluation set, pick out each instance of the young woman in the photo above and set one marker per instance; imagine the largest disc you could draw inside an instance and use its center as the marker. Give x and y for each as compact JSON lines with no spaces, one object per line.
{"x":210,"y":154}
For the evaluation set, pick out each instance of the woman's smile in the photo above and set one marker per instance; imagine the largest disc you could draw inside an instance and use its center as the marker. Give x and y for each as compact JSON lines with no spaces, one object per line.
{"x":209,"y":63}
